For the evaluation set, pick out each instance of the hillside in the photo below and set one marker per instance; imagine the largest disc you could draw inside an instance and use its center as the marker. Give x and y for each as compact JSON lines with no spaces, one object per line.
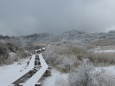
{"x":74,"y":36}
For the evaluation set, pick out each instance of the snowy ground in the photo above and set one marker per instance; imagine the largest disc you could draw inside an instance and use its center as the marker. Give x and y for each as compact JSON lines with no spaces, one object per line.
{"x":55,"y":79}
{"x":8,"y":72}
{"x":107,"y":70}
{"x":59,"y":79}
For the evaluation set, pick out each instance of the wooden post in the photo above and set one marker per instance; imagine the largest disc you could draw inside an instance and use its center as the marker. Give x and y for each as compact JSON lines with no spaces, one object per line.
{"x":39,"y":66}
{"x":49,"y":67}
{"x":36,"y":62}
{"x":47,"y":73}
{"x":32,"y":72}
{"x":39,"y":63}
{"x":37,"y":57}
{"x":38,"y":84}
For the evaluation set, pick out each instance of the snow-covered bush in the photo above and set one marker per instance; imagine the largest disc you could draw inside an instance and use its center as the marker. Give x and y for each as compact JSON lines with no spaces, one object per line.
{"x":51,"y":57}
{"x":61,"y":81}
{"x":17,"y":57}
{"x":106,"y":79}
{"x":12,"y":47}
{"x":62,"y":58}
{"x":86,"y":75}
{"x":22,"y":54}
{"x":3,"y":53}
{"x":57,"y":79}
{"x":83,"y":76}
{"x":7,"y":48}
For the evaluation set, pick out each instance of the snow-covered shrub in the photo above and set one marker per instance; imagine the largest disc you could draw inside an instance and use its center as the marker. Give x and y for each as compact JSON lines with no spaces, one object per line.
{"x":22,"y":54}
{"x":51,"y":57}
{"x":106,"y":79}
{"x":3,"y":53}
{"x":12,"y":47}
{"x":18,"y":55}
{"x":64,"y":58}
{"x":57,"y":79}
{"x":61,"y":81}
{"x":10,"y":60}
{"x":83,"y":76}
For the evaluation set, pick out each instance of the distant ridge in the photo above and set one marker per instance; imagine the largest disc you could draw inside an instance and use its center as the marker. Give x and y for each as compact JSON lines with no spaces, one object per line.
{"x":72,"y":35}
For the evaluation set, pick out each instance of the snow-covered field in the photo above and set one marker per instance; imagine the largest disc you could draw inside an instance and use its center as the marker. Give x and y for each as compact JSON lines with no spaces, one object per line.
{"x":8,"y":72}
{"x":104,"y":51}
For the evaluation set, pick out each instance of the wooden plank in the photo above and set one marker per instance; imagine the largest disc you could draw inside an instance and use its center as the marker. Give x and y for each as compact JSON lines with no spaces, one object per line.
{"x":31,"y":64}
{"x":36,"y":77}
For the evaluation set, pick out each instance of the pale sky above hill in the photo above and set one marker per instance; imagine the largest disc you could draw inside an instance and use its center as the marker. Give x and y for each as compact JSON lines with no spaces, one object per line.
{"x":22,"y":17}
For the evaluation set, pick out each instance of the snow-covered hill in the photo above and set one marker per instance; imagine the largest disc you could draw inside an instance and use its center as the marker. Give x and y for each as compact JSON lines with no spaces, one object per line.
{"x":72,"y":35}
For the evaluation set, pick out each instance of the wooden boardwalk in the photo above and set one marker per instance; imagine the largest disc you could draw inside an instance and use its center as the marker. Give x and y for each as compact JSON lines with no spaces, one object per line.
{"x":36,"y":69}
{"x":36,"y":77}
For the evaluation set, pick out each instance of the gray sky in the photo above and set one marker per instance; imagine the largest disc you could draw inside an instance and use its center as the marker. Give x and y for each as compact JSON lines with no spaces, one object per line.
{"x":22,"y":17}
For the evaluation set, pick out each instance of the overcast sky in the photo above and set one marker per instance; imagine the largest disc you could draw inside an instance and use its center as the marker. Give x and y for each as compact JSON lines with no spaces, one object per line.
{"x":22,"y":17}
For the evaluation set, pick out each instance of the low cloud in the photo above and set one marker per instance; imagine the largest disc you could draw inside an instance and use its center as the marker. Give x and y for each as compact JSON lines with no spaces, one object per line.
{"x":22,"y":17}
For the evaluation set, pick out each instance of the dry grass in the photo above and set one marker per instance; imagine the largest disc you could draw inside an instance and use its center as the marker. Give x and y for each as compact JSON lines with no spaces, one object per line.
{"x":6,"y":48}
{"x":104,"y":42}
{"x":19,"y":55}
{"x":68,"y":58}
{"x":68,"y":50}
{"x":102,"y":58}
{"x":70,"y":55}
{"x":64,"y":58}
{"x":39,"y":45}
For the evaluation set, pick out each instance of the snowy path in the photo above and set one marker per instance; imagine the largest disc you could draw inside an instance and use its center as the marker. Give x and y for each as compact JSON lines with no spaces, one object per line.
{"x":13,"y":74}
{"x":31,"y":64}
{"x":104,"y":51}
{"x":9,"y":72}
{"x":35,"y":78}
